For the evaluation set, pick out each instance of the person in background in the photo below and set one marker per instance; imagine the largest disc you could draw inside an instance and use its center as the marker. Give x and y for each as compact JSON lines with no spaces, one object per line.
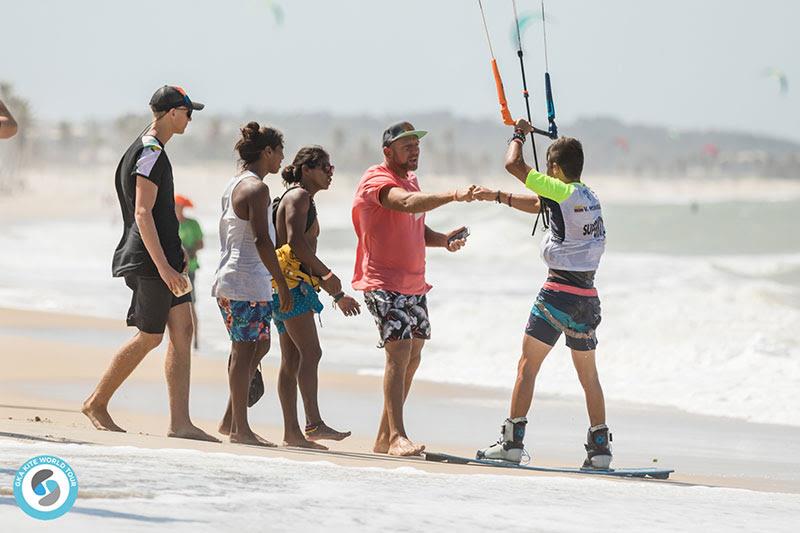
{"x":191,"y":235}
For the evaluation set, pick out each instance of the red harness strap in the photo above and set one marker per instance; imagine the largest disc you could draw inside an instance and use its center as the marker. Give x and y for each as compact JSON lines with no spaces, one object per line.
{"x":553,"y":286}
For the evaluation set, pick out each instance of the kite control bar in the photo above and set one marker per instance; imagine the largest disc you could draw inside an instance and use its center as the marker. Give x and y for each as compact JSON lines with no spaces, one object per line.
{"x":552,"y":131}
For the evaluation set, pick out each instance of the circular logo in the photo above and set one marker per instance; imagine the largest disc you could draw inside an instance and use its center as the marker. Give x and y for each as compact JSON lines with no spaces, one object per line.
{"x":45,"y":487}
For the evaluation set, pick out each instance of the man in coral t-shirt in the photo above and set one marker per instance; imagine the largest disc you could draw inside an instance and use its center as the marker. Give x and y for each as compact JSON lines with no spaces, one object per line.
{"x":389,"y":220}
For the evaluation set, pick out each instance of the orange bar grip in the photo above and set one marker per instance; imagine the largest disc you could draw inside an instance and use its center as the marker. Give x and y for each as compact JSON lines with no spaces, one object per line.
{"x":501,"y":95}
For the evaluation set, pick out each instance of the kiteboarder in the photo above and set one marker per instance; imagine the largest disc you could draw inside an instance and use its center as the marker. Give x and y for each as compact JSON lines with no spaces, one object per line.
{"x":568,"y":301}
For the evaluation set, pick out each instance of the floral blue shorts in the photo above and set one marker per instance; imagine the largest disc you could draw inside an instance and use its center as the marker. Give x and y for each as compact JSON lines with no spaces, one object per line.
{"x":246,"y":321}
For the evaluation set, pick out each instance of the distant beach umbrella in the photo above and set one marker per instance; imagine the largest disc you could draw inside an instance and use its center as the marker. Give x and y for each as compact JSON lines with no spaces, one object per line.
{"x":779,"y":76}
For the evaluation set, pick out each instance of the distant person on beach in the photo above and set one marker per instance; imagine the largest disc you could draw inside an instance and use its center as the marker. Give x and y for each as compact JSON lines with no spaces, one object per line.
{"x":8,"y":126}
{"x":568,"y":302}
{"x":150,"y":258}
{"x":389,"y":219}
{"x":297,"y":228}
{"x":242,"y":284}
{"x":191,"y":235}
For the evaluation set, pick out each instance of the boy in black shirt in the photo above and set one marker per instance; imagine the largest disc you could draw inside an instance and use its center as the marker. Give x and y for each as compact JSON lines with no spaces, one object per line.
{"x":150,"y":258}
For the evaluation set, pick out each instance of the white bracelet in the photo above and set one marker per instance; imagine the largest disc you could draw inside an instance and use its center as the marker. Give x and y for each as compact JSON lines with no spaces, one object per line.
{"x":327,"y":276}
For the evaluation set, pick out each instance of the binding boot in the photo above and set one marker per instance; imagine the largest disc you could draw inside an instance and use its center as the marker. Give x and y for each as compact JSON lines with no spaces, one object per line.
{"x":598,"y":447}
{"x":509,"y":447}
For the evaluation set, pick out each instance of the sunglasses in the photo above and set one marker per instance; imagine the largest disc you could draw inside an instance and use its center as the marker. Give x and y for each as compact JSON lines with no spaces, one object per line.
{"x":327,"y":168}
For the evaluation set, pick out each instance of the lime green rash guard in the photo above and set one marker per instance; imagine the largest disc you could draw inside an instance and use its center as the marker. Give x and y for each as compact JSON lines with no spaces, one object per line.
{"x":576,"y":237}
{"x":552,"y":188}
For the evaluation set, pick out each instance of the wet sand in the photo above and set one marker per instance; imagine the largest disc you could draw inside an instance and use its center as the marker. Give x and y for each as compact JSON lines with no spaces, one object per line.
{"x":50,"y":362}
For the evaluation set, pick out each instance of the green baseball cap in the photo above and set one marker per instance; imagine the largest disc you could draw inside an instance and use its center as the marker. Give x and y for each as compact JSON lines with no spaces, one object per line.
{"x":400,"y":130}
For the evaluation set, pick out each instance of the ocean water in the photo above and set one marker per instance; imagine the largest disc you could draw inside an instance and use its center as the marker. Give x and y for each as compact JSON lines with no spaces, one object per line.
{"x":129,"y":489}
{"x":701,"y":301}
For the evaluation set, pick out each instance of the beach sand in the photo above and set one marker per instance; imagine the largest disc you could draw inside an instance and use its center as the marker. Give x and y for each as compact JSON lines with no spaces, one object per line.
{"x":53,"y":360}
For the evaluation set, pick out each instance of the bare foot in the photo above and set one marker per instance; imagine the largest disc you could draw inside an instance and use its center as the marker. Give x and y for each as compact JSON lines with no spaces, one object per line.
{"x":193,"y":433}
{"x":252,"y":439}
{"x":300,"y":442}
{"x":381,"y":445}
{"x":226,"y":424}
{"x":322,"y":432}
{"x":404,"y":447}
{"x":100,"y":418}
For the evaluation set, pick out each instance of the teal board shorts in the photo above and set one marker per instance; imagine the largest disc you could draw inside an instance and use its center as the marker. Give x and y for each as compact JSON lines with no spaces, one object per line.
{"x":579,"y":313}
{"x":304,"y":299}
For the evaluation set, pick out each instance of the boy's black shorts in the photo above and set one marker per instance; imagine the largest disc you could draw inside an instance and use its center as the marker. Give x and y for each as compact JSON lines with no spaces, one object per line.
{"x":151,"y":303}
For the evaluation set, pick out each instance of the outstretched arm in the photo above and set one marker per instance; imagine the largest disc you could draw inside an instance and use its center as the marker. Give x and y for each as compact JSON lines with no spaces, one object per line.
{"x":399,"y":199}
{"x":528,"y":203}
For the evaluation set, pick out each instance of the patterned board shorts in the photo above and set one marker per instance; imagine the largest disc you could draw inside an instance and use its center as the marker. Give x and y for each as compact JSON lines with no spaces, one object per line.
{"x":399,"y":316}
{"x":304,"y":299}
{"x":246,"y":321}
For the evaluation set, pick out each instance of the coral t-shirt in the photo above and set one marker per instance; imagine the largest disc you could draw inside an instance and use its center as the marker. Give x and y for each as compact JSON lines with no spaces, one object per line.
{"x":391,"y":244}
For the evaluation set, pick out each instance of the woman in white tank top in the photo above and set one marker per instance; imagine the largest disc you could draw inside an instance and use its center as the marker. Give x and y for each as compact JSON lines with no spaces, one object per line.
{"x":242,"y":283}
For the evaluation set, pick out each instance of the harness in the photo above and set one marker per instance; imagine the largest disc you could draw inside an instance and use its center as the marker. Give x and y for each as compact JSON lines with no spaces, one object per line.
{"x":588,"y":334}
{"x":293,"y":270}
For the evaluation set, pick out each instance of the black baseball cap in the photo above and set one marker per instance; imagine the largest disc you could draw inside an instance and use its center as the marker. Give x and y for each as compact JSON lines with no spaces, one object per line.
{"x":170,"y":96}
{"x":400,"y":130}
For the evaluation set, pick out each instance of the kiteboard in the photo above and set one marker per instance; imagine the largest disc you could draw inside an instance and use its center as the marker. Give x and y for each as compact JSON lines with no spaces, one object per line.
{"x":647,"y":472}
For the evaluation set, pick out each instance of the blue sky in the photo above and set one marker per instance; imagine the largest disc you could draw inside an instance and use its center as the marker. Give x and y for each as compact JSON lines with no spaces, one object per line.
{"x":680,"y":64}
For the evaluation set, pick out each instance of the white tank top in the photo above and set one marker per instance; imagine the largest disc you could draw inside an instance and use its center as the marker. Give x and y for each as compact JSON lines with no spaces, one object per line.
{"x":241,"y":274}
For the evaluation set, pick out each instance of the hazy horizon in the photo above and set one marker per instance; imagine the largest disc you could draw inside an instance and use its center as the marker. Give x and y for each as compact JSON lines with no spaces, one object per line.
{"x":681,"y":65}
